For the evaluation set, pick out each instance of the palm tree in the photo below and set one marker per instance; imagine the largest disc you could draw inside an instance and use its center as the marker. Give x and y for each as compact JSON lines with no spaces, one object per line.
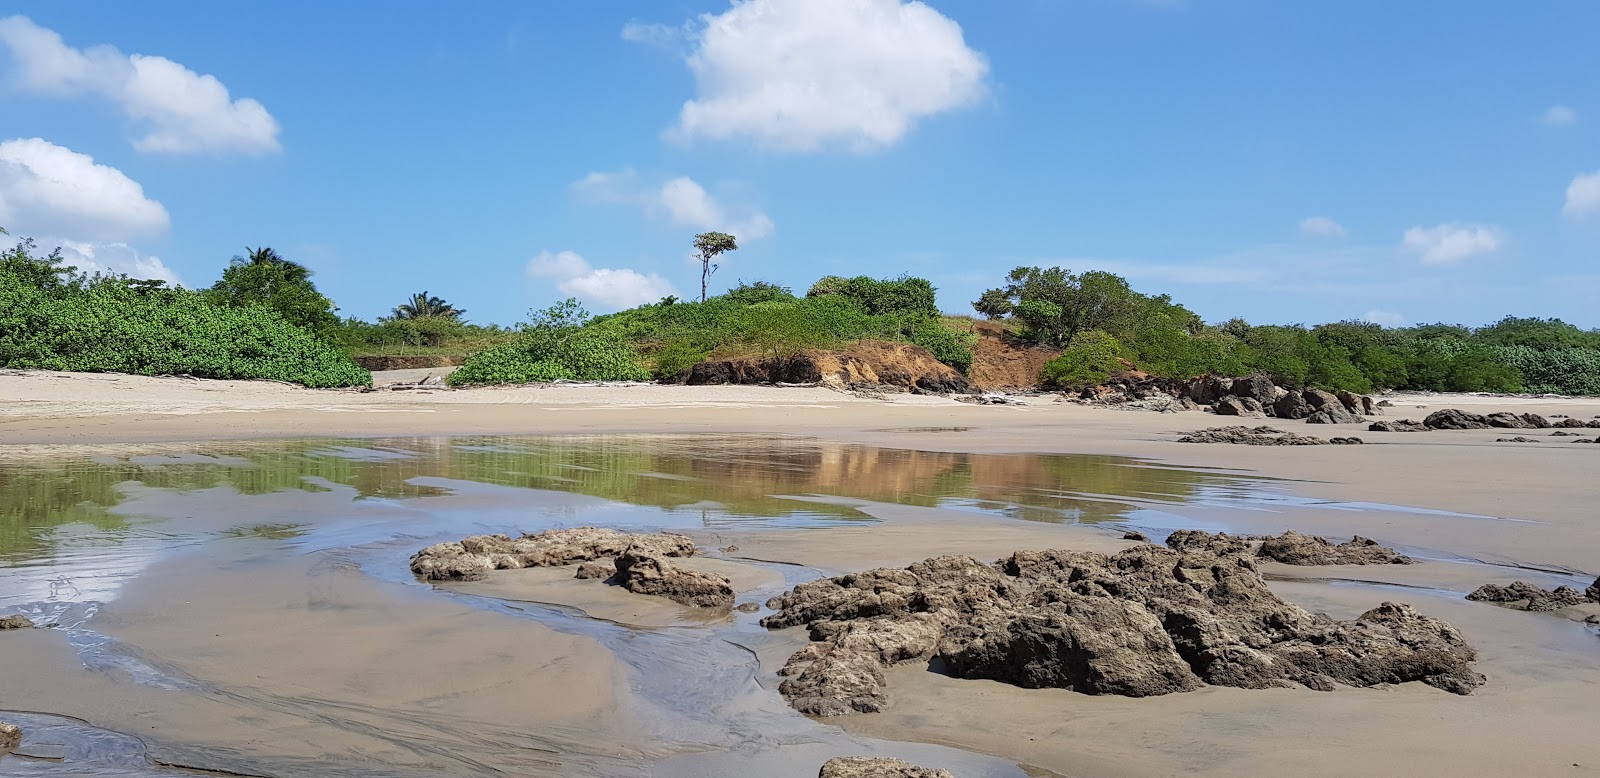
{"x":424,"y":306}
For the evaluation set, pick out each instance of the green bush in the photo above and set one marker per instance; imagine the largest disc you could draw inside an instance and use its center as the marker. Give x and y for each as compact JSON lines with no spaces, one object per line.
{"x":1090,"y":360}
{"x":674,"y":360}
{"x":1559,"y":370}
{"x":113,"y":325}
{"x":552,"y":353}
{"x":904,"y":295}
{"x":947,"y":344}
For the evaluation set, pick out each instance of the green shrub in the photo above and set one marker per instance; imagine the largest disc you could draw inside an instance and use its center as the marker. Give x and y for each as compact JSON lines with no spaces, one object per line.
{"x":904,"y":295}
{"x":674,"y":360}
{"x":552,"y":353}
{"x":1090,"y":360}
{"x":1559,"y":370}
{"x":114,"y":325}
{"x":947,"y":344}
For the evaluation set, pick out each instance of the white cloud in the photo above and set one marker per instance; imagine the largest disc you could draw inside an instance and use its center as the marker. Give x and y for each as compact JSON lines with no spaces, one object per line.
{"x":1583,"y":196}
{"x":658,"y":35}
{"x":802,"y":75}
{"x":613,"y":288}
{"x":682,"y":200}
{"x":117,"y":258}
{"x":46,"y":189}
{"x":1322,"y":227}
{"x":1385,"y":318}
{"x":1560,"y":116}
{"x":1447,"y":244}
{"x":184,"y":112}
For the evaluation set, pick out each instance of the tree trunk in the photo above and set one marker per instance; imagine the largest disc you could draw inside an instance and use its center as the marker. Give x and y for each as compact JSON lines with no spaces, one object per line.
{"x":705,"y":274}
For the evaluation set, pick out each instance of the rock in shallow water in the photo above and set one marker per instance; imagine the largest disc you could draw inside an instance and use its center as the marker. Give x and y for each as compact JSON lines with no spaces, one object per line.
{"x":876,"y":767}
{"x":1145,"y":621}
{"x":1293,"y":548}
{"x":10,"y":737}
{"x":1521,"y":595}
{"x":15,"y":622}
{"x":642,"y":570}
{"x":473,"y":558}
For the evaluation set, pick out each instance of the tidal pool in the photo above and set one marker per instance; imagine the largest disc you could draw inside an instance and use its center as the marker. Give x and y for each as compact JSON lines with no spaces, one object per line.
{"x":178,"y":525}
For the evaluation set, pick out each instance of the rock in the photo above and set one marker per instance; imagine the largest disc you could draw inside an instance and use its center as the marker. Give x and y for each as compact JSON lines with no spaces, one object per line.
{"x":1525,"y":596}
{"x":10,"y":737}
{"x":876,"y":767}
{"x":1206,"y":390}
{"x":1535,"y":421}
{"x":1356,"y":403}
{"x":1291,"y":406}
{"x":1517,"y":439}
{"x":1293,"y":548}
{"x":747,"y":607}
{"x":1252,"y":406}
{"x":472,"y":558}
{"x":1403,"y":425}
{"x":1593,"y":592}
{"x":1452,"y":419}
{"x":1145,"y":621}
{"x":1563,"y":434}
{"x":15,"y":622}
{"x":728,"y":549}
{"x":1385,"y":404}
{"x":642,"y":569}
{"x":1135,"y":535}
{"x":1570,"y":422}
{"x":1509,"y":421}
{"x":1332,"y":414}
{"x":1319,"y":399}
{"x":1593,"y":424}
{"x":597,"y":568}
{"x":1257,"y":387}
{"x":1231,"y":406}
{"x":1250,"y":436}
{"x":1346,"y":441}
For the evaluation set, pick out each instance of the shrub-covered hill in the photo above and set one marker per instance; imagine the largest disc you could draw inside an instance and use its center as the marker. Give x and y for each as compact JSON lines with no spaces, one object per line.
{"x":52,"y":319}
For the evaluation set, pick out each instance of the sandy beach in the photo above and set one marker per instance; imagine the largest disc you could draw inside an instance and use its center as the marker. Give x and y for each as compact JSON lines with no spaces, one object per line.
{"x":273,"y":663}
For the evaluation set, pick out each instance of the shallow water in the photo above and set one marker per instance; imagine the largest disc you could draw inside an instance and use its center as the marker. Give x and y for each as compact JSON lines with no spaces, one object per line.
{"x":76,"y":528}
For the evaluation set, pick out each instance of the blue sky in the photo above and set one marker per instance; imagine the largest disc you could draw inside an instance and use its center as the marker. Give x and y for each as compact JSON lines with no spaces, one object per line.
{"x":1285,"y":162}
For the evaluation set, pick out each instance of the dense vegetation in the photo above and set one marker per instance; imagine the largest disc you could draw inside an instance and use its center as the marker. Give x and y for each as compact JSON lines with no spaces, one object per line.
{"x":1100,"y":322}
{"x":54,"y":318}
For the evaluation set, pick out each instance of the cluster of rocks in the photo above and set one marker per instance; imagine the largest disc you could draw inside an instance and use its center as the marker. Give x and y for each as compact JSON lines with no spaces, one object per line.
{"x":1290,"y":548}
{"x":635,"y":561}
{"x":1148,"y":620}
{"x":1521,"y":595}
{"x":10,"y":737}
{"x":1261,"y":436}
{"x":1253,"y":395}
{"x":15,"y":622}
{"x":876,"y":767}
{"x":1454,"y":419}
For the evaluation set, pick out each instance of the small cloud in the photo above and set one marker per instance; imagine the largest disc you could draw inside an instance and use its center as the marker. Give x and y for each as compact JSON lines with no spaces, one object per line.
{"x":1447,"y":244}
{"x":186,"y":112}
{"x":682,"y":200}
{"x":1559,"y":116}
{"x":1322,"y":227}
{"x":47,"y":189}
{"x":611,"y":288}
{"x":1384,"y":318}
{"x":1583,"y":196}
{"x":661,"y":36}
{"x":119,"y":259}
{"x":804,"y":75}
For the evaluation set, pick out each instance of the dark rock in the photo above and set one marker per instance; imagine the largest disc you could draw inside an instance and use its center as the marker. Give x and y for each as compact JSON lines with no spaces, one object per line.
{"x":1570,"y":422}
{"x":1535,"y":421}
{"x":1593,"y":424}
{"x":876,"y":767}
{"x":1452,"y":419}
{"x":1221,"y":544}
{"x":1257,"y":386}
{"x":1293,"y":548}
{"x":599,"y":568}
{"x":15,"y":622}
{"x":1359,"y":404}
{"x":728,"y":549}
{"x":1593,"y":592}
{"x":1291,"y":406}
{"x":1563,"y":434}
{"x":1250,"y":436}
{"x":1509,"y":421}
{"x":1332,"y":414}
{"x":1385,"y":404}
{"x":1206,"y":390}
{"x":1517,"y":439}
{"x":1145,"y":621}
{"x":1231,"y":406}
{"x":1319,"y":399}
{"x":472,"y":558}
{"x":747,"y":607}
{"x":1525,"y":596}
{"x":1403,"y":425}
{"x":1346,"y":441}
{"x":643,"y":570}
{"x":10,"y":737}
{"x":1135,"y":535}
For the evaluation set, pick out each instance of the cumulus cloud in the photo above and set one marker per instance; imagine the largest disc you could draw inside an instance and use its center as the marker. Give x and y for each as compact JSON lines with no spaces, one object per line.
{"x":681,"y":200}
{"x":1322,"y":227}
{"x":1447,"y":244}
{"x":613,"y":288}
{"x":46,"y":189}
{"x":1560,"y":116}
{"x":1583,"y":196}
{"x":183,"y":111}
{"x":1384,"y":318}
{"x":803,"y":75}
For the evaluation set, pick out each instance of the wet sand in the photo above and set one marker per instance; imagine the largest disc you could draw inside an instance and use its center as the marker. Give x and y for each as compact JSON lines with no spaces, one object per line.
{"x":285,"y":664}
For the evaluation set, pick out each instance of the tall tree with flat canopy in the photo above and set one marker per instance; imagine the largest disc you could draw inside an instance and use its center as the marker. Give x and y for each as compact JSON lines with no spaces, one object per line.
{"x":707,"y":246}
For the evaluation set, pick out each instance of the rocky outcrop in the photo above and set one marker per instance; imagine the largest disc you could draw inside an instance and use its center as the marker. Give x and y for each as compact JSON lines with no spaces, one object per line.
{"x":1452,"y":419}
{"x":1134,"y":534}
{"x":877,"y":364}
{"x":1293,"y":548}
{"x":1259,"y":436}
{"x":1512,"y":421}
{"x":1246,"y":396}
{"x":1145,"y":621}
{"x":1517,"y":439}
{"x":1258,"y":387}
{"x":10,"y":737}
{"x":15,"y":622}
{"x":1292,"y":405}
{"x":1571,"y":423}
{"x":600,"y":569}
{"x":1593,"y":592}
{"x":642,"y":570}
{"x":1403,"y":425}
{"x":1333,"y":413}
{"x":1237,"y":406}
{"x":1525,"y":596}
{"x":876,"y":767}
{"x":472,"y":558}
